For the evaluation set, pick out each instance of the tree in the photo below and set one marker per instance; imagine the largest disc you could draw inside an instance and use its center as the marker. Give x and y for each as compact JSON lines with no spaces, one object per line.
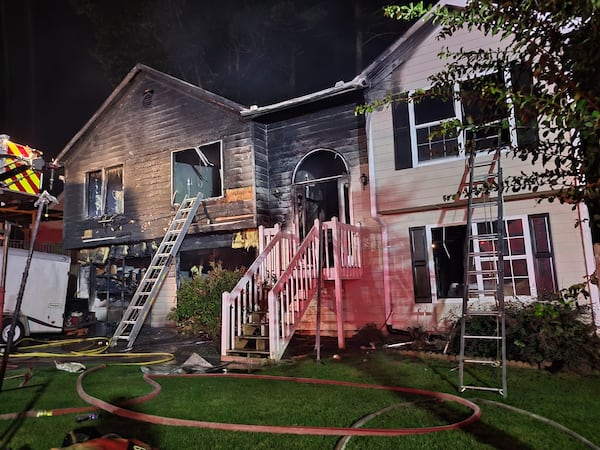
{"x":557,"y":42}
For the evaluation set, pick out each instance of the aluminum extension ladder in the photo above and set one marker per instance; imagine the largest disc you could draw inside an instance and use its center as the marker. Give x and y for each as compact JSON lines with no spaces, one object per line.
{"x":152,"y":280}
{"x":483,"y":328}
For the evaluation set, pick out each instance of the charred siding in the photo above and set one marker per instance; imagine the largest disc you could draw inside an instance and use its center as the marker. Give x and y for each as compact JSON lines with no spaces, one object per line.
{"x":335,"y":127}
{"x":142,"y":138}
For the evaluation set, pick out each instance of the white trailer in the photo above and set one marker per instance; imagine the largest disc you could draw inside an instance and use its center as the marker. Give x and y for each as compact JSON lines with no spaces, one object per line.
{"x":44,"y":298}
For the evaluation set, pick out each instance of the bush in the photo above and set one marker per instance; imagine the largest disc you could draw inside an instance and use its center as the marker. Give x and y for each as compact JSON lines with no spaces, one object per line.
{"x":552,"y":330}
{"x":198,"y":307}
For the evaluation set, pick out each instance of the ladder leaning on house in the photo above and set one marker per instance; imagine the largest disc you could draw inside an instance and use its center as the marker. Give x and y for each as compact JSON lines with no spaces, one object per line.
{"x":151,"y":282}
{"x":482,"y":328}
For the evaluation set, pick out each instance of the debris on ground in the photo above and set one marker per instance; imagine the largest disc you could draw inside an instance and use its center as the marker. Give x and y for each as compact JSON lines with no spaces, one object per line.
{"x":72,"y":367}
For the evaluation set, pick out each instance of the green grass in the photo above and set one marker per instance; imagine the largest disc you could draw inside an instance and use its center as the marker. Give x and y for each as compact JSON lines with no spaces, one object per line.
{"x":571,"y":400}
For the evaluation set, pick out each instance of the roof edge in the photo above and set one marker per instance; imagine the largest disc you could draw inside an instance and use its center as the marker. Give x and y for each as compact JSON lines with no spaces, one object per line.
{"x":340,"y":87}
{"x":212,"y":97}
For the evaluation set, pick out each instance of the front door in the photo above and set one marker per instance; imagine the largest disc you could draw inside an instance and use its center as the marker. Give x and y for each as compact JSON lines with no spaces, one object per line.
{"x":321,"y":189}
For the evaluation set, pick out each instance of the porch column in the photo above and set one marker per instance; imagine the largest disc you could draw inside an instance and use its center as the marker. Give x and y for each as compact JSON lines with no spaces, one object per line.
{"x":339,"y":310}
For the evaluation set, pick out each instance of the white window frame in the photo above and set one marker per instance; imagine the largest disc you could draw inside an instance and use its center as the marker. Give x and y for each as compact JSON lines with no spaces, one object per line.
{"x":458,"y":114}
{"x":528,"y":257}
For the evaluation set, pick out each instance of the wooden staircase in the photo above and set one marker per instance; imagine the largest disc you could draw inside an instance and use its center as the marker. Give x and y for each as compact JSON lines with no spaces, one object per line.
{"x":260,"y":315}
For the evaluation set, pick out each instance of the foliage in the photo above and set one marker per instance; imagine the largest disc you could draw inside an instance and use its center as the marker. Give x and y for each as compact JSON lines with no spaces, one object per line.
{"x":199,"y":301}
{"x":552,"y":330}
{"x":252,"y":52}
{"x":556,"y":41}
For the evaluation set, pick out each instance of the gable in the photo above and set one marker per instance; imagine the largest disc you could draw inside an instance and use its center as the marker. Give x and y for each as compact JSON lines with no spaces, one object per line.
{"x":150,"y":96}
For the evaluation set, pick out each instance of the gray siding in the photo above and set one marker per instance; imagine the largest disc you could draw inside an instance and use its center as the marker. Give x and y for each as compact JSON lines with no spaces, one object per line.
{"x":142,"y":139}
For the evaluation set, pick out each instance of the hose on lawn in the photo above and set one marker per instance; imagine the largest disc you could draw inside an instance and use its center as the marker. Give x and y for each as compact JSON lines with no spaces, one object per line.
{"x":276,"y":429}
{"x":96,"y":349}
{"x":541,"y":419}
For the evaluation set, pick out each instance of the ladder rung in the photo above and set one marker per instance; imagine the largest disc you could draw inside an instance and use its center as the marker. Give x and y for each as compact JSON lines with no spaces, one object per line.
{"x":482,"y":388}
{"x":483,"y":313}
{"x":483,"y":272}
{"x":473,"y":293}
{"x":486,"y":338}
{"x":487,"y":163}
{"x":485,"y":237}
{"x":485,"y":362}
{"x":484,"y":204}
{"x":484,"y":254}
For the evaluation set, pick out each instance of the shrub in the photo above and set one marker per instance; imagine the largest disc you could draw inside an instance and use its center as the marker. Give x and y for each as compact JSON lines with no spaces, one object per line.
{"x":553,"y":329}
{"x":198,"y":307}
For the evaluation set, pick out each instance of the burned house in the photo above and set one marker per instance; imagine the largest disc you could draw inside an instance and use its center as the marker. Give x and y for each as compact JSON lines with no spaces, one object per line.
{"x":372,"y":186}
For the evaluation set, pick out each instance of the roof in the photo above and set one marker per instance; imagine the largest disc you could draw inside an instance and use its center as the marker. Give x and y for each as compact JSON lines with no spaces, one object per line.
{"x":177,"y":83}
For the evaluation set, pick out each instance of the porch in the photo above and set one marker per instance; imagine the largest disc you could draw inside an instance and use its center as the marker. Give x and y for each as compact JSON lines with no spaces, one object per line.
{"x":261,"y":314}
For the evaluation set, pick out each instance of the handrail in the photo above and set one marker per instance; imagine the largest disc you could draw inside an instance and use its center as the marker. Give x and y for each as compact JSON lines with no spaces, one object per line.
{"x":283,"y":280}
{"x":292,"y":293}
{"x":249,"y":294}
{"x":346,"y":240}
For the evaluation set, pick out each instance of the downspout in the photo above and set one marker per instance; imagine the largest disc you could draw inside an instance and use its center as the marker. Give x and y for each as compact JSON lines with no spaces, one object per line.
{"x":384,"y":228}
{"x":589,"y":261}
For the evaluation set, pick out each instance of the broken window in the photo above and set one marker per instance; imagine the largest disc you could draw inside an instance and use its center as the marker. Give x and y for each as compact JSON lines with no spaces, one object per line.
{"x":104,"y":189}
{"x":197,"y":170}
{"x":528,"y":258}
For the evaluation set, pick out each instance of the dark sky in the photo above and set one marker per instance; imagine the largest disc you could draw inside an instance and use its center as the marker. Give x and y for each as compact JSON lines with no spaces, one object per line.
{"x":52,"y":83}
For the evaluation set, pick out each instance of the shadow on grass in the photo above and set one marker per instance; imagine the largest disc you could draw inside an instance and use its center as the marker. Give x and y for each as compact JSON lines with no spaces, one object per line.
{"x":107,"y":423}
{"x":485,"y":433}
{"x":14,"y":426}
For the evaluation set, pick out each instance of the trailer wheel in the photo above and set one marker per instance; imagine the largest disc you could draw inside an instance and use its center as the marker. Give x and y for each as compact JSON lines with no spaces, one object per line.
{"x":19,"y":331}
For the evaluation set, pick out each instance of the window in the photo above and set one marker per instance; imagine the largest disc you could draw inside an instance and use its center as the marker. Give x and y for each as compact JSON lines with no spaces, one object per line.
{"x":423,"y":129}
{"x":196,"y":171}
{"x":528,"y":258}
{"x":431,"y":140}
{"x":104,"y":189}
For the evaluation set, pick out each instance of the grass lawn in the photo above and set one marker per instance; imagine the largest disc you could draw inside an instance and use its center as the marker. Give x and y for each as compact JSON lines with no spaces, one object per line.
{"x":571,"y":400}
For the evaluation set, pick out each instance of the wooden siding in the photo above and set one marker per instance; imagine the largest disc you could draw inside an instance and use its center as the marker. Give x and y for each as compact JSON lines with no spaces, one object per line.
{"x":336,"y":128}
{"x":414,"y":197}
{"x":264,"y":196}
{"x":569,"y":257}
{"x":142,"y":140}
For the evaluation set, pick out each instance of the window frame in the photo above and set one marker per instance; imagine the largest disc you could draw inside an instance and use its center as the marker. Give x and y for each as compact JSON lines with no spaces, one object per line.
{"x":530,"y":257}
{"x":198,"y":149}
{"x":103,"y":193}
{"x":459,"y":114}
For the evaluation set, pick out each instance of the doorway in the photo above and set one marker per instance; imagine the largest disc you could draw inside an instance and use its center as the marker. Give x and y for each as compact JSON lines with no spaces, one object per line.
{"x":320,"y":185}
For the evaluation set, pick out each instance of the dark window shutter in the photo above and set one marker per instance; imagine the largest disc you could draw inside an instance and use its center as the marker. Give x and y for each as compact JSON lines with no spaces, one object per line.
{"x":543,"y":255}
{"x":402,"y":150}
{"x":420,"y":266}
{"x":526,"y":115}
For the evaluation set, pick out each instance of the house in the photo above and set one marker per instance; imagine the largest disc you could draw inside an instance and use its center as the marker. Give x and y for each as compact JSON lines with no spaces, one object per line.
{"x":412,"y":169}
{"x":280,"y":184}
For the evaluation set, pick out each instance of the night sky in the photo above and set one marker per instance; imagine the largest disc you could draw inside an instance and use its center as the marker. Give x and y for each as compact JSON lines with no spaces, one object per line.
{"x":52,"y":81}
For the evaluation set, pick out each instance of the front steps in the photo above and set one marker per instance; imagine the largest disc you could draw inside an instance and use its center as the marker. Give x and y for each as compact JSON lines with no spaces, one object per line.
{"x":253,"y":344}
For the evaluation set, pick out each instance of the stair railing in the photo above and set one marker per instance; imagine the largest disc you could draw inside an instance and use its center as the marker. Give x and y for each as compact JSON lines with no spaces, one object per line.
{"x":250,"y":293}
{"x":342,"y":250}
{"x":292,"y":292}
